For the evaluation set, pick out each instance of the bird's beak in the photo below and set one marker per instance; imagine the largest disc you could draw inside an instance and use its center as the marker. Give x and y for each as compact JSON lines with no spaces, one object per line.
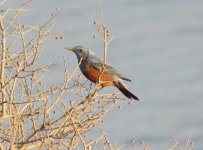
{"x":69,"y":48}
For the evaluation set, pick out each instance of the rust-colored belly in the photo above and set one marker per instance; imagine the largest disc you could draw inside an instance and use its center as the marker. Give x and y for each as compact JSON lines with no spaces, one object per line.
{"x":93,"y":74}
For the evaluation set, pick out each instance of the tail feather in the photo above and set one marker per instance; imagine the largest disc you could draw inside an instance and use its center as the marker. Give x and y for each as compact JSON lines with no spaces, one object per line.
{"x":124,"y":78}
{"x":125,"y":91}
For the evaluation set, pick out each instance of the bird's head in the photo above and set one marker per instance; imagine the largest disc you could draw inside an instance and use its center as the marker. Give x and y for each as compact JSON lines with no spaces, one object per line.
{"x":80,"y":51}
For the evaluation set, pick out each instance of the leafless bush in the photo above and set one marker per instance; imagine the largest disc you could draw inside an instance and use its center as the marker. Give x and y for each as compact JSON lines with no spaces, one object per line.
{"x":178,"y":146}
{"x":35,"y":115}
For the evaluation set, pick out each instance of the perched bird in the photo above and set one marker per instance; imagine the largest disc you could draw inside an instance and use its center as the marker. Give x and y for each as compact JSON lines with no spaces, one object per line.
{"x":93,"y":69}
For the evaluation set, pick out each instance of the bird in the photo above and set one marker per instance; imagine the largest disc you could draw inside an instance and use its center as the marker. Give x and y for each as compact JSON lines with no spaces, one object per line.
{"x":93,"y":68}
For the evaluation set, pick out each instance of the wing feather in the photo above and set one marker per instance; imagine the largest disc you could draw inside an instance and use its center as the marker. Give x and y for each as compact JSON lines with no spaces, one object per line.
{"x":97,"y":62}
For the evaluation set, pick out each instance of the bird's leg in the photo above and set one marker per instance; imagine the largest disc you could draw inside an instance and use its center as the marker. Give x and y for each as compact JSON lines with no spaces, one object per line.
{"x":98,"y":88}
{"x":91,"y":85}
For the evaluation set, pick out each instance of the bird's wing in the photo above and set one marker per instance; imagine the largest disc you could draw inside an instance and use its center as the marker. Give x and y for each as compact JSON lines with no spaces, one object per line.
{"x":97,"y":62}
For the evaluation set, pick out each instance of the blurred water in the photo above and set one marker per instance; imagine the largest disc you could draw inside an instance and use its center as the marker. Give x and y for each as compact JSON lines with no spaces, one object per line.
{"x":158,"y":44}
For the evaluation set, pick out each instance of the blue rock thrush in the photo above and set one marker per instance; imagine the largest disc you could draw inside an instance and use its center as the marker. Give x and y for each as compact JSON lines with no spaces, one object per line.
{"x":93,"y":69}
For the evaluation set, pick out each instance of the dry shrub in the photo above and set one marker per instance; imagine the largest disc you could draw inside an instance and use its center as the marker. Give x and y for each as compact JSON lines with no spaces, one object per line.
{"x":33,"y":114}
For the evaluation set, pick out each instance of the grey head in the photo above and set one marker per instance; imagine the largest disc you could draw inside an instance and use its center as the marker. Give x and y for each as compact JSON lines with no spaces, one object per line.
{"x":80,"y":52}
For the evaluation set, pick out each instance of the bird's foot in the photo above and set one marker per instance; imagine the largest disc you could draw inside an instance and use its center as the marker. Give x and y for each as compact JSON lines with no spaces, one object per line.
{"x":91,"y":95}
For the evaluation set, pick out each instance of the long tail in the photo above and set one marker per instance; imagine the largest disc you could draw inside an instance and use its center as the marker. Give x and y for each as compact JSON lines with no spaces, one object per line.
{"x":125,"y":91}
